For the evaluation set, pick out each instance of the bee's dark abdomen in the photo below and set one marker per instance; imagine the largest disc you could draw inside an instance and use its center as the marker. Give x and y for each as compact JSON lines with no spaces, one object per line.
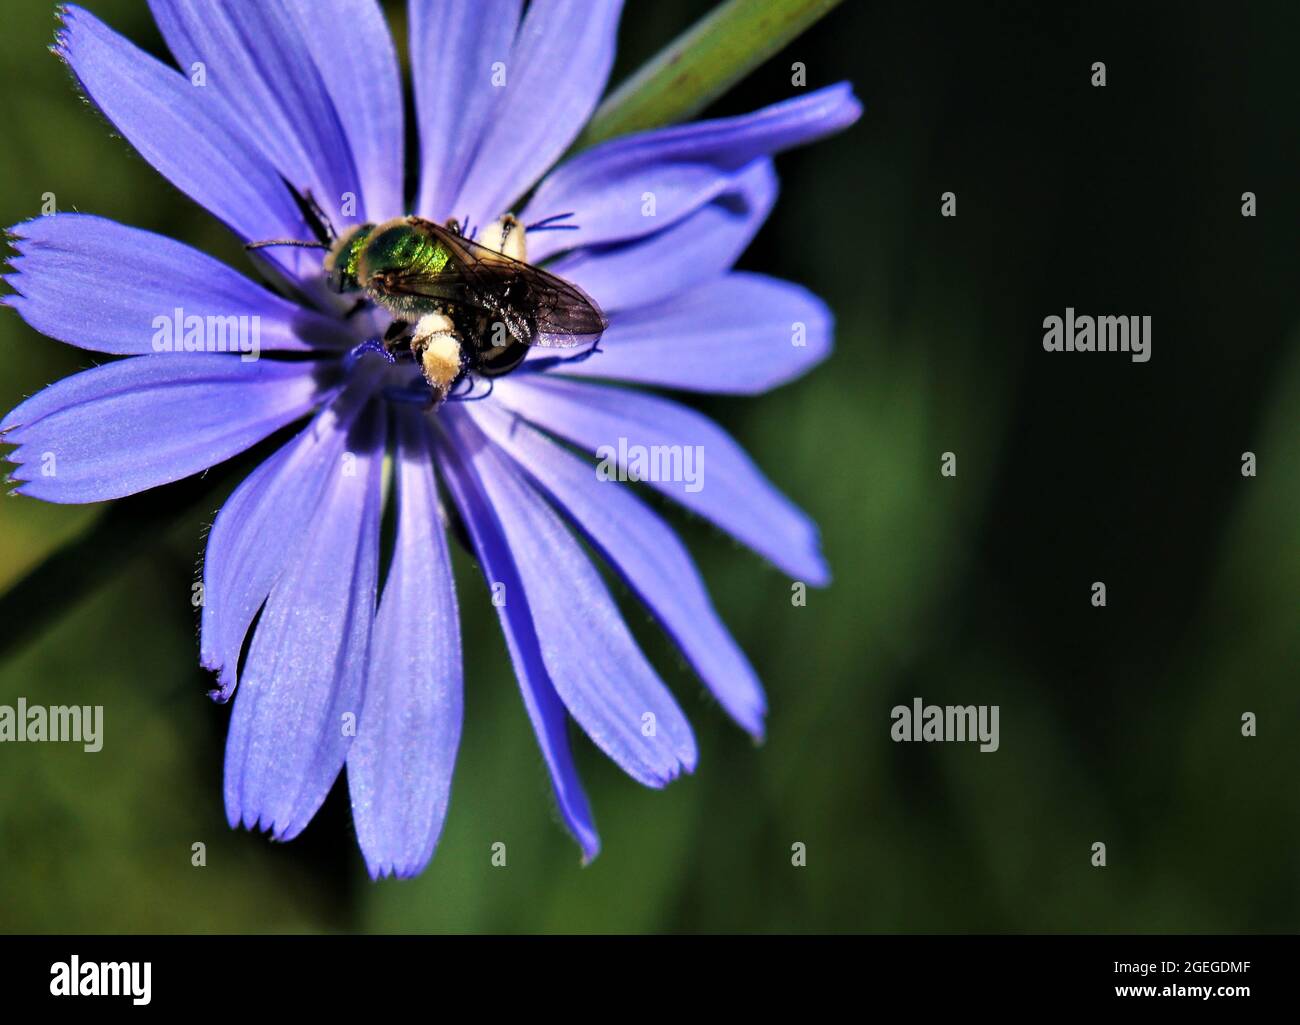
{"x":501,"y":360}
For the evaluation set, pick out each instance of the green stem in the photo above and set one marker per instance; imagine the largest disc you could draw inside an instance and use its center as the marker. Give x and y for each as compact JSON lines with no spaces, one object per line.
{"x":701,"y":64}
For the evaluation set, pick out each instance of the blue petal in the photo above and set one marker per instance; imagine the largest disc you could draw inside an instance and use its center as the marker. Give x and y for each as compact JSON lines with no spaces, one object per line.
{"x":741,"y":334}
{"x":149,"y":420}
{"x":731,"y":491}
{"x":257,"y":529}
{"x":545,"y":709}
{"x":696,"y":248}
{"x":258,"y":65}
{"x":100,"y":285}
{"x":455,"y":45}
{"x":647,"y":554}
{"x":555,"y":74}
{"x":196,"y":145}
{"x":599,"y":672}
{"x":302,"y":690}
{"x":355,"y":56}
{"x":682,"y":168}
{"x":399,"y":768}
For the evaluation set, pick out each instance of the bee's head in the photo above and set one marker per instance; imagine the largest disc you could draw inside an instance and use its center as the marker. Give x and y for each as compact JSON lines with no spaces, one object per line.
{"x":343,"y":260}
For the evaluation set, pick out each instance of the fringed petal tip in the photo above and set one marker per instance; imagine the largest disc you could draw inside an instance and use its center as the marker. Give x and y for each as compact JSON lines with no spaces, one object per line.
{"x":11,"y":479}
{"x":65,"y":19}
{"x":661,"y":776}
{"x":226,"y":676}
{"x":225,"y":685}
{"x":380,"y":871}
{"x":278,"y":832}
{"x":11,"y":266}
{"x":60,"y":45}
{"x":390,"y":867}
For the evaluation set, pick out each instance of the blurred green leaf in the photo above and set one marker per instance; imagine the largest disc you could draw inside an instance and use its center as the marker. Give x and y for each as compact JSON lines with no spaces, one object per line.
{"x":105,"y":841}
{"x":130,"y":526}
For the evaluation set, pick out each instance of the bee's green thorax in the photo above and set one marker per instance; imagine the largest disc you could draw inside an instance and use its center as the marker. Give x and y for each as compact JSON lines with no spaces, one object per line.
{"x":403,"y":248}
{"x":421,"y":253}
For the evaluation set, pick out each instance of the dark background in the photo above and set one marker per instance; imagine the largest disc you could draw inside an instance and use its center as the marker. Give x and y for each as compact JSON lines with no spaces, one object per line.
{"x":1119,"y":725}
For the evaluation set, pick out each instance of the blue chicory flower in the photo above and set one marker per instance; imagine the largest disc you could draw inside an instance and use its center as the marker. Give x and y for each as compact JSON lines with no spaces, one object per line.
{"x":308,"y":93}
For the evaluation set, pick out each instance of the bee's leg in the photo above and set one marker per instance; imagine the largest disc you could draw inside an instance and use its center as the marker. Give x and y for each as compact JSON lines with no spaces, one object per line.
{"x":506,"y":236}
{"x":468,"y":394}
{"x":454,"y":394}
{"x":357,"y":307}
{"x":374,"y":345}
{"x":590,"y":351}
{"x":437,"y":348}
{"x":539,"y":365}
{"x":397,"y":339}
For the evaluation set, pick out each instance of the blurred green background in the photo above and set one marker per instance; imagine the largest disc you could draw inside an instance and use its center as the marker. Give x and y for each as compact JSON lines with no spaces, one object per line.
{"x":1119,"y":725}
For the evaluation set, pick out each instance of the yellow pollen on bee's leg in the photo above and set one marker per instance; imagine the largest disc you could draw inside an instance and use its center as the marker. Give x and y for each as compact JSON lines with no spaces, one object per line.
{"x":505,"y":236}
{"x":437,"y":346}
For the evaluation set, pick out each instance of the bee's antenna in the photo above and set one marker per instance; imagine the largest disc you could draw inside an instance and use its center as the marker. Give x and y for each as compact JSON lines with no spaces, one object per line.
{"x":548,"y":224}
{"x":285,"y":242}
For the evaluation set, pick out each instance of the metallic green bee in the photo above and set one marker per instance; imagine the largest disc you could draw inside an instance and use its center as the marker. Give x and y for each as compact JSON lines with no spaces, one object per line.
{"x":460,"y":306}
